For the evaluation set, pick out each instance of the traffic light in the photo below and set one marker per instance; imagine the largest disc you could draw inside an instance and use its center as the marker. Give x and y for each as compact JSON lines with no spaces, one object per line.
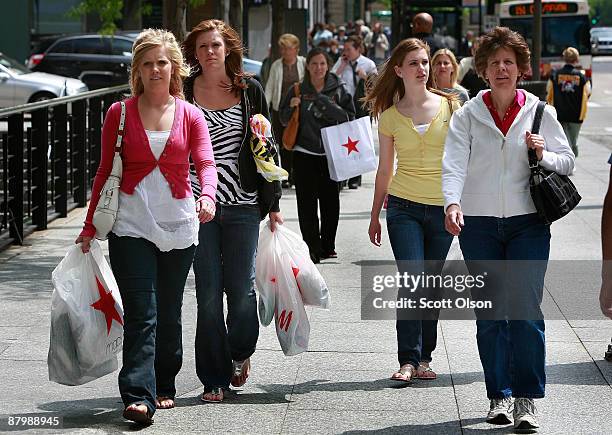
{"x":595,"y":20}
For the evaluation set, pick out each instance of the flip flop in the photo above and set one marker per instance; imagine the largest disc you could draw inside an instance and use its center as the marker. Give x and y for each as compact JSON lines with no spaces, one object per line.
{"x":133,"y":413}
{"x":213,"y":391}
{"x":404,"y":374}
{"x":241,"y":372}
{"x":425,"y":373}
{"x":161,"y":399}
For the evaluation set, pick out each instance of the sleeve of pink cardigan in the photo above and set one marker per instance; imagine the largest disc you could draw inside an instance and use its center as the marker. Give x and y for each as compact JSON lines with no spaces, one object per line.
{"x":109,"y":138}
{"x":202,"y":155}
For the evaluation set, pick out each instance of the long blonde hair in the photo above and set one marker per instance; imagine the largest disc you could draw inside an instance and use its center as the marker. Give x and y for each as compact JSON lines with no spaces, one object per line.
{"x":387,"y":88}
{"x":151,"y":38}
{"x":453,"y":60}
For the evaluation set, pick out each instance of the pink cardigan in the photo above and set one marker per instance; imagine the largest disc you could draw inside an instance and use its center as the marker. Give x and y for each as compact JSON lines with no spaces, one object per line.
{"x":188,"y":136}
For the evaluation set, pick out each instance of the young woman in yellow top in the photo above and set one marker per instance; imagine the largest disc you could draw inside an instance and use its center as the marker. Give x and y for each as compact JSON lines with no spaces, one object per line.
{"x":413,"y":122}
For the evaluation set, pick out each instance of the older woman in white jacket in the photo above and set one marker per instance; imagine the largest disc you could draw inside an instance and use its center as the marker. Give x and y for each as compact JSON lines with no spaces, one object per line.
{"x":284,"y":72}
{"x":485,"y":182}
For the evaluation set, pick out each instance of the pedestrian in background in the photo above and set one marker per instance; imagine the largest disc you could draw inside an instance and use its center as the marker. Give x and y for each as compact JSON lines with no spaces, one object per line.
{"x":444,"y":76}
{"x":225,"y":258}
{"x":377,"y":44}
{"x":422,"y":28}
{"x":152,"y":243}
{"x":284,"y":73}
{"x":467,"y":75}
{"x":323,"y":102}
{"x":413,"y":122}
{"x":485,"y":181}
{"x":353,"y":67}
{"x":568,"y":89}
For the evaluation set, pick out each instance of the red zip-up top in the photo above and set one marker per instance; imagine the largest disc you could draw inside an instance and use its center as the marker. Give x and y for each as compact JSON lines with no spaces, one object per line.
{"x":188,"y":136}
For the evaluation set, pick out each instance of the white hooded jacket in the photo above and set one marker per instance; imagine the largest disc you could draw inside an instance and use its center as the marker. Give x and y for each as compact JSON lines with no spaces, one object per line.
{"x":486,"y":172}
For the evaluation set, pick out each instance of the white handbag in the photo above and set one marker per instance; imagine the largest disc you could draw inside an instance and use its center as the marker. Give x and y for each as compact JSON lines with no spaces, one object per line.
{"x":106,"y":211}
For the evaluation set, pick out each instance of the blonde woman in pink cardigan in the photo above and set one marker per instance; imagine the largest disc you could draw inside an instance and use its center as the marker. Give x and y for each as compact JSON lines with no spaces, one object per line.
{"x":153,"y":241}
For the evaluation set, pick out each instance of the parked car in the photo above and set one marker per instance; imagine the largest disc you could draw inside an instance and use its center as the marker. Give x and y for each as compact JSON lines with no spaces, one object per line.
{"x":97,"y":60}
{"x":19,"y":85}
{"x":253,"y":67}
{"x":601,"y":40}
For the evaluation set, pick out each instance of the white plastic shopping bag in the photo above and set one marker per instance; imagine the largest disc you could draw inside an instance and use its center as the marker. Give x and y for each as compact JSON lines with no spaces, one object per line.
{"x":349,"y":148}
{"x":86,"y":318}
{"x":310,"y":283}
{"x":292,"y":325}
{"x":286,"y":281}
{"x":265,"y":273}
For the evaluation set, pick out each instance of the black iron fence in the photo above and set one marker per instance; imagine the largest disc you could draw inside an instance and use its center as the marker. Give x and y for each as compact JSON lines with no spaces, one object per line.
{"x":49,"y":156}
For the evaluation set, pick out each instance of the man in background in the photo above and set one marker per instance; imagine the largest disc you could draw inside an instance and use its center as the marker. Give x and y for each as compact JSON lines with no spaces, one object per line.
{"x":568,"y":90}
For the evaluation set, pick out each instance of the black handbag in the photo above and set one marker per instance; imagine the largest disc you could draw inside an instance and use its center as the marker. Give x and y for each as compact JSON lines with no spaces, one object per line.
{"x":553,"y":195}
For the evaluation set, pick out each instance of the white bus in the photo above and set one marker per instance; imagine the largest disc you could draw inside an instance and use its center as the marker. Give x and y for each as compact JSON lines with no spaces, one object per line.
{"x":565,"y":23}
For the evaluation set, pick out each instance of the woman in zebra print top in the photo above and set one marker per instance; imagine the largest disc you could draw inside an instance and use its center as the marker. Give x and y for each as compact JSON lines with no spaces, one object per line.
{"x":225,"y":258}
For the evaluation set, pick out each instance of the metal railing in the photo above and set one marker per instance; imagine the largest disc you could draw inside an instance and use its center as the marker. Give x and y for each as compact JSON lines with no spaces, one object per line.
{"x":50,"y":153}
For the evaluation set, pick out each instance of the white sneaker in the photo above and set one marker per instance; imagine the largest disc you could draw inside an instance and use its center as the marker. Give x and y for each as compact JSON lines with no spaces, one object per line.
{"x":499,"y":412}
{"x":525,"y":418}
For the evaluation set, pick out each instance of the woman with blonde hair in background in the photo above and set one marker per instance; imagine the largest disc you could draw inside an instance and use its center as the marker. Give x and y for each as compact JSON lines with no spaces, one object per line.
{"x":225,"y":259}
{"x":413,"y":121}
{"x":286,"y":71}
{"x":153,"y":241}
{"x":444,"y":74}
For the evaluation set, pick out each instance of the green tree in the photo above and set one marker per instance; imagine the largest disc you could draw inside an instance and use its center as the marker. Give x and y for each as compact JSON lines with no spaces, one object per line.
{"x":602,"y":9}
{"x":111,"y":11}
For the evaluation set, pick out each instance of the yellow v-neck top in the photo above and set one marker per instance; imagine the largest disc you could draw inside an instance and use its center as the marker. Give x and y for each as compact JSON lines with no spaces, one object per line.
{"x":418,"y":176}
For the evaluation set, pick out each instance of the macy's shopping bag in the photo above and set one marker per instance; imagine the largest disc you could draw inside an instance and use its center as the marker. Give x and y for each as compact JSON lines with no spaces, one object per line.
{"x":86,"y":318}
{"x":349,"y":148}
{"x":286,"y":281}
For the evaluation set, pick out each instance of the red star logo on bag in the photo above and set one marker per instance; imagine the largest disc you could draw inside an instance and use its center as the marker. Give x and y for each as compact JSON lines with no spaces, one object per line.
{"x":296,"y":270}
{"x":351,"y":145}
{"x":106,"y":304}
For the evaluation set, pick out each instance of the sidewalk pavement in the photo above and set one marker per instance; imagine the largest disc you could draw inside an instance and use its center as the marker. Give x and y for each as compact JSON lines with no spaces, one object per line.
{"x":341,"y":384}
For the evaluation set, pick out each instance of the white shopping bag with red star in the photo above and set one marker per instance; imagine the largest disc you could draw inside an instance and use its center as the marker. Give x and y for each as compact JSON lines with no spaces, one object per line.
{"x":286,"y":281}
{"x":349,"y":148}
{"x":86,"y":318}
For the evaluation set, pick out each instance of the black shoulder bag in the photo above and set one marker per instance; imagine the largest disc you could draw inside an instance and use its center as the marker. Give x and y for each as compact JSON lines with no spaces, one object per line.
{"x":554,"y":195}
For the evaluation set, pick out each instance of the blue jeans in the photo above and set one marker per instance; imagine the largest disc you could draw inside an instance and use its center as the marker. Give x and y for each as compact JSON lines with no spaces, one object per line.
{"x":512,"y":352}
{"x":151,"y":284}
{"x":417,"y":233}
{"x":225,"y":262}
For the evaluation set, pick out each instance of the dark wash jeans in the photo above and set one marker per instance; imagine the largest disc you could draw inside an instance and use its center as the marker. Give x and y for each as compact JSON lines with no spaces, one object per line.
{"x":417,"y":233}
{"x":151,"y":283}
{"x":512,"y":352}
{"x":225,"y":262}
{"x":314,"y":189}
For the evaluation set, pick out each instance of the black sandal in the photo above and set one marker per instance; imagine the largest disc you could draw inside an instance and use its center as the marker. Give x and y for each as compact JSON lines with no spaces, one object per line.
{"x":132,"y":413}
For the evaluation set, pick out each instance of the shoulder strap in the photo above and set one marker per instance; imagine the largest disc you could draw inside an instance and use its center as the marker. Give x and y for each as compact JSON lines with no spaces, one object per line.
{"x":535,"y":129}
{"x":120,"y":130}
{"x":296,"y":89}
{"x":537,"y":120}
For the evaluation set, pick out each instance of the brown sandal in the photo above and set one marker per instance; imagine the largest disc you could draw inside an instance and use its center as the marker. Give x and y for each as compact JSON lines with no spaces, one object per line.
{"x":159,"y":402}
{"x":241,"y":372}
{"x":135,"y":413}
{"x":405,"y":373}
{"x":425,"y":373}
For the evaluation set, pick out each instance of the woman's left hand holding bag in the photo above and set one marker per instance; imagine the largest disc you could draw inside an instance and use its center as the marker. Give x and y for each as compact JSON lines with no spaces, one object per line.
{"x":85,"y":243}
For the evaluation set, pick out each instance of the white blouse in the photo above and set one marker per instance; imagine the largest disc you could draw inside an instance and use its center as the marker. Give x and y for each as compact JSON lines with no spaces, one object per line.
{"x":152,"y":213}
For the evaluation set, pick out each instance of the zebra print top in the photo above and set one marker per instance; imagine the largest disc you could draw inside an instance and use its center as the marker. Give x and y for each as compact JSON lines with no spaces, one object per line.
{"x":225,"y":129}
